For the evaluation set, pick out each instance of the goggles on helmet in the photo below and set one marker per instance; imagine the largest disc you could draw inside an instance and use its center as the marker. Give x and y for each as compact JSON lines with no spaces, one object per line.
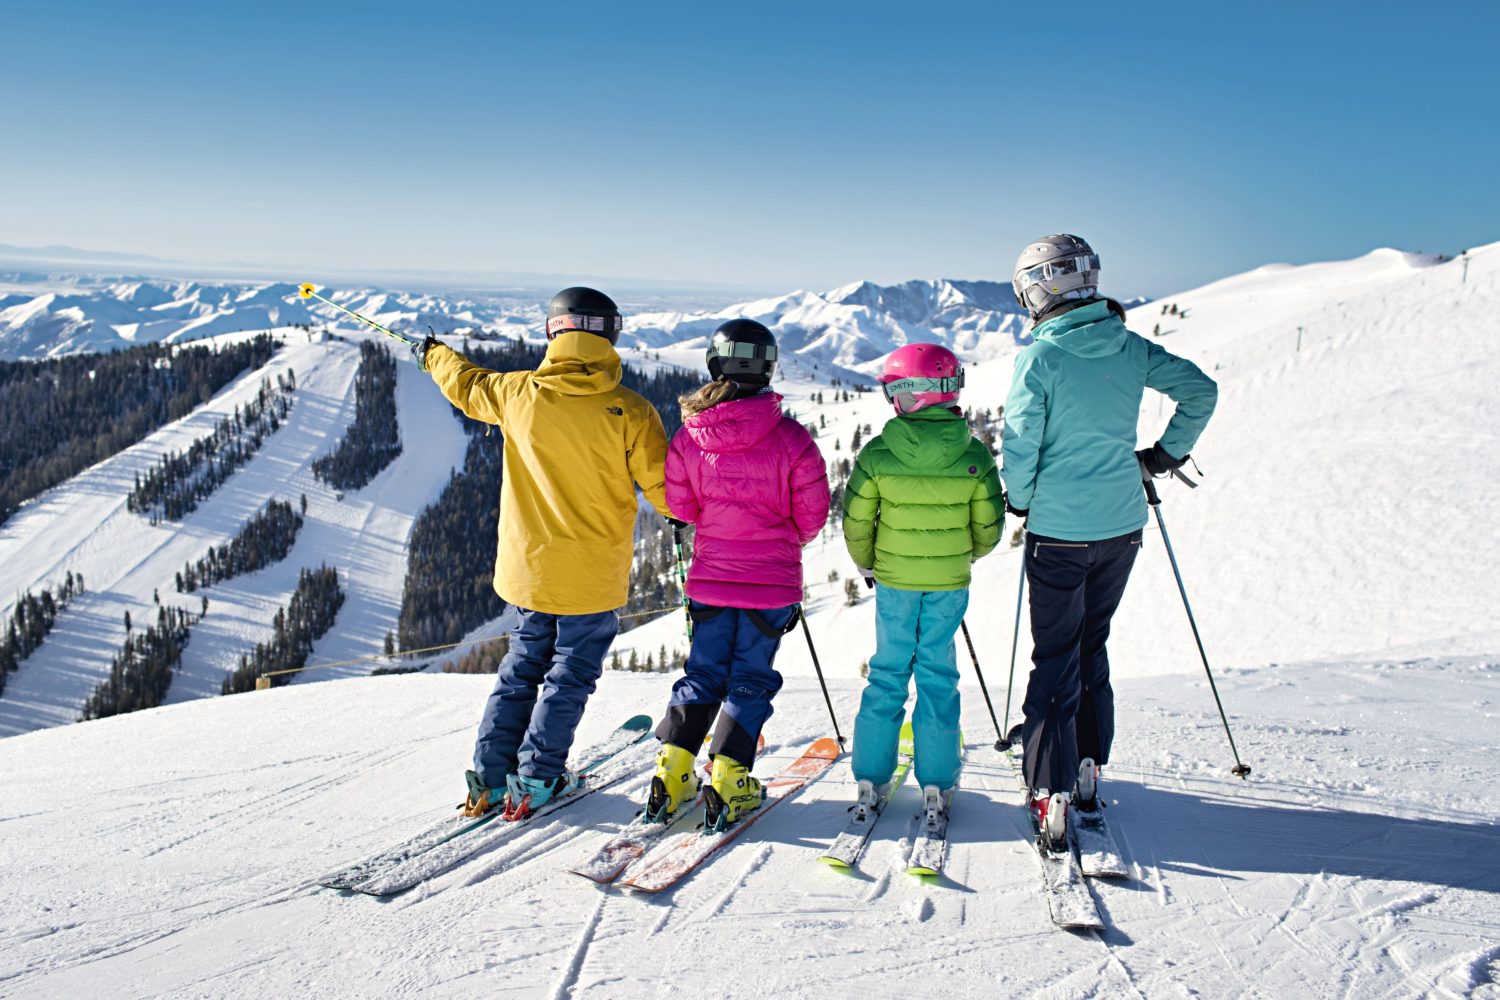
{"x":740,"y":349}
{"x":911,"y":386}
{"x":591,"y":324}
{"x":1055,"y":269}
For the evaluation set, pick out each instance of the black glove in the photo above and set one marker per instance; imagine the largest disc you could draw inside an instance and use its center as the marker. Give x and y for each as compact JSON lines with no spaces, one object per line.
{"x":1157,"y":461}
{"x":1022,"y":514}
{"x":676,"y":524}
{"x":420,"y":350}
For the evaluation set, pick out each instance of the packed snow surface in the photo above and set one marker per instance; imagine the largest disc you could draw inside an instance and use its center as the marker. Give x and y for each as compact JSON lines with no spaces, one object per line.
{"x":1339,"y":555}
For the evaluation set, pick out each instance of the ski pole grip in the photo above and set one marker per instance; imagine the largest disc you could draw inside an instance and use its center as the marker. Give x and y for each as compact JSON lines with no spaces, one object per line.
{"x":1152,"y":497}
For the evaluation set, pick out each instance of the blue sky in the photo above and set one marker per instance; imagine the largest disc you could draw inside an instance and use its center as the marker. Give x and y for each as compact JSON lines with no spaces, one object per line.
{"x":769,"y":145}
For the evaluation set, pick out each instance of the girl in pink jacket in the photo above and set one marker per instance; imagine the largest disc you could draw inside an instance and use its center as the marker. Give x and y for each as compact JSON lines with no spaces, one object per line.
{"x":755,"y":486}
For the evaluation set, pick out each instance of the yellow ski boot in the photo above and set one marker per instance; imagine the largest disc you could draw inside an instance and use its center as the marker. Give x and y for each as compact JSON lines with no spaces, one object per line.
{"x":731,"y":794}
{"x":674,"y":783}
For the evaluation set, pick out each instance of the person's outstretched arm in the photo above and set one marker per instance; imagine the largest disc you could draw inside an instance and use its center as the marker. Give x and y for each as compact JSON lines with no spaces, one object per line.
{"x":475,"y":390}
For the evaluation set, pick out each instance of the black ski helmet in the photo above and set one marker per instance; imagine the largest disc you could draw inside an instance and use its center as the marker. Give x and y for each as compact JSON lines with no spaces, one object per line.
{"x":744,"y":351}
{"x":587,"y":309}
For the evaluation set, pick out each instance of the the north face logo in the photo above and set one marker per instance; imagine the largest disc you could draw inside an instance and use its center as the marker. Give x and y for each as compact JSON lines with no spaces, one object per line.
{"x":616,"y":410}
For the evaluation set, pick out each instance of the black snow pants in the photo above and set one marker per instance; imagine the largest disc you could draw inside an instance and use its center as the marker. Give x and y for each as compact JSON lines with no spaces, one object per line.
{"x":1070,"y":706}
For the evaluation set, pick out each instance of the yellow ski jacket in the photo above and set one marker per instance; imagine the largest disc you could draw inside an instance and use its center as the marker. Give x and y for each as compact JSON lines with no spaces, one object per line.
{"x":575,"y":441}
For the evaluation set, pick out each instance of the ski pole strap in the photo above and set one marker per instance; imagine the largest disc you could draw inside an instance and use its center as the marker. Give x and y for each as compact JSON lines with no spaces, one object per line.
{"x":766,"y":628}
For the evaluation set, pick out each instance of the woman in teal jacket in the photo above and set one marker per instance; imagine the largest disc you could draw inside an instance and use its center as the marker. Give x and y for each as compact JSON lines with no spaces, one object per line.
{"x":1072,"y":472}
{"x":922,"y":504}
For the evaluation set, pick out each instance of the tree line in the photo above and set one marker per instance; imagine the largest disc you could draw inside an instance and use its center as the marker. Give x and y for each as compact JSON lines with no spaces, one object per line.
{"x":62,"y":415}
{"x":30,"y":621}
{"x":451,"y":557}
{"x":264,"y":539}
{"x":141,"y":672}
{"x":311,"y":613}
{"x":179,"y":481}
{"x":373,"y":440}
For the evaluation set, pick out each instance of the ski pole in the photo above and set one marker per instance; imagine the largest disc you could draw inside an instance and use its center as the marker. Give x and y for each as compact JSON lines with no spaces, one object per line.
{"x":964,"y":625}
{"x":822,"y":683}
{"x":307,"y":291}
{"x":687,"y":610}
{"x":1239,"y":770}
{"x":1015,"y":640}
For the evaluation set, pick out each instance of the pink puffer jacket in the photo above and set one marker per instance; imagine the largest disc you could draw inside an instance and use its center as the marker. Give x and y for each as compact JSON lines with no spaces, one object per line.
{"x":753,"y":483}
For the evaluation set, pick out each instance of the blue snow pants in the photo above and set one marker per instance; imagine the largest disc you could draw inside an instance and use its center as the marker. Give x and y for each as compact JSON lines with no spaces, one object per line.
{"x":543,"y":683}
{"x":914,"y":632}
{"x":1070,"y":705}
{"x":728,"y":668}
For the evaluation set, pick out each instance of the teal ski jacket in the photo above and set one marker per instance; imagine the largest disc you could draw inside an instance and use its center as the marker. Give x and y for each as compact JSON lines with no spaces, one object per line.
{"x":1068,"y":445}
{"x":923,"y":502}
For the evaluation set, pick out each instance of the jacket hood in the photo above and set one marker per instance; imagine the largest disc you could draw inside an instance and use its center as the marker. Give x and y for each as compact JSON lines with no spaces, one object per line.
{"x":736,"y":424}
{"x":1089,"y":331}
{"x":933,"y":437}
{"x":579,"y":364}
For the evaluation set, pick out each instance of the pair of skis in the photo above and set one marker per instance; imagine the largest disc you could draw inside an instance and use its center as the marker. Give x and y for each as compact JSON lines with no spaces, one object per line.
{"x":651,"y":857}
{"x":929,"y":850}
{"x":445,"y":844}
{"x":1091,"y":853}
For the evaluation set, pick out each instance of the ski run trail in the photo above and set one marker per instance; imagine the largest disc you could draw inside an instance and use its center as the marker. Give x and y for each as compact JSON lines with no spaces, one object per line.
{"x":1340,"y":555}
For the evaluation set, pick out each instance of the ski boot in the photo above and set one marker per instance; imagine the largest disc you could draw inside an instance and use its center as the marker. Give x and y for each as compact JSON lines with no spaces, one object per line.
{"x":1086,"y":793}
{"x":868,"y":799}
{"x":935,"y":810}
{"x":674,"y":783}
{"x":481,"y":799}
{"x":1049,"y":818}
{"x":524,"y":796}
{"x":731,"y":794}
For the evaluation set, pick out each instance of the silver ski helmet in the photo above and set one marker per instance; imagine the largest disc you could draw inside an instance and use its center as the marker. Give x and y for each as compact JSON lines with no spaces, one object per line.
{"x":1052,"y":269}
{"x":742,"y":350}
{"x":587,"y":309}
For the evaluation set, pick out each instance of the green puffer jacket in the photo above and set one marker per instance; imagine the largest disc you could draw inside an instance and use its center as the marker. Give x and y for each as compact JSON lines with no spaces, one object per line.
{"x":923,"y":502}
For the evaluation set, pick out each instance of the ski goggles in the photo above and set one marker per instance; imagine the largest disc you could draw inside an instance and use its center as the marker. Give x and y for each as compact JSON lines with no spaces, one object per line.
{"x":1055,"y":269}
{"x":739,"y":349}
{"x":590,"y":324}
{"x":914,"y":385}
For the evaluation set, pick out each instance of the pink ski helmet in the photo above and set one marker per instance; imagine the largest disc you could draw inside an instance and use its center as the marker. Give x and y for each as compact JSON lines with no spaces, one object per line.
{"x":920,"y":375}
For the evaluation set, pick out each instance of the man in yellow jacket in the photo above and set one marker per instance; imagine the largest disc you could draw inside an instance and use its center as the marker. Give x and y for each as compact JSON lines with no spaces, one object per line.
{"x":576,"y":445}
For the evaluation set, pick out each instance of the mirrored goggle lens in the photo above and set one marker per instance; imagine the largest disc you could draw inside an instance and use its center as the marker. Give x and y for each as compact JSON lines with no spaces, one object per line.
{"x":1057,"y":269}
{"x":736,"y":349}
{"x":915,"y":385}
{"x":593,"y":324}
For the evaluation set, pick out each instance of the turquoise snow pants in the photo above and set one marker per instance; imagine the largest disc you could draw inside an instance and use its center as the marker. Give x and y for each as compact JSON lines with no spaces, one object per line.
{"x":914,"y":632}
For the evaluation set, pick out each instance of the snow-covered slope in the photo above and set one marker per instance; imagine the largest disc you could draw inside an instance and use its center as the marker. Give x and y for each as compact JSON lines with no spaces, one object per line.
{"x":1356,"y":862}
{"x":83,"y":526}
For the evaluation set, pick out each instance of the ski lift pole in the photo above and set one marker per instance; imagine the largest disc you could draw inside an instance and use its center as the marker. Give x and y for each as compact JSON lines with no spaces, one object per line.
{"x":687,"y":609}
{"x":307,"y":291}
{"x":1000,"y":737}
{"x":821,"y":682}
{"x":1240,"y":770}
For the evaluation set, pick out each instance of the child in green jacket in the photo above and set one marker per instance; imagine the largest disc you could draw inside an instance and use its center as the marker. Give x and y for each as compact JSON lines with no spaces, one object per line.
{"x":924,"y":501}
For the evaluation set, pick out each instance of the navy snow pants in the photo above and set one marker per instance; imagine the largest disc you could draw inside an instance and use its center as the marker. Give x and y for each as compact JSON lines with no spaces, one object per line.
{"x":1070,"y":706}
{"x":728,"y":668}
{"x":540,"y":691}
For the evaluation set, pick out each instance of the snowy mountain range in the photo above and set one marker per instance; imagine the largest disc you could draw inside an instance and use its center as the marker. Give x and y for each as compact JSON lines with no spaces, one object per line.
{"x":847,"y":327}
{"x":1339,"y":553}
